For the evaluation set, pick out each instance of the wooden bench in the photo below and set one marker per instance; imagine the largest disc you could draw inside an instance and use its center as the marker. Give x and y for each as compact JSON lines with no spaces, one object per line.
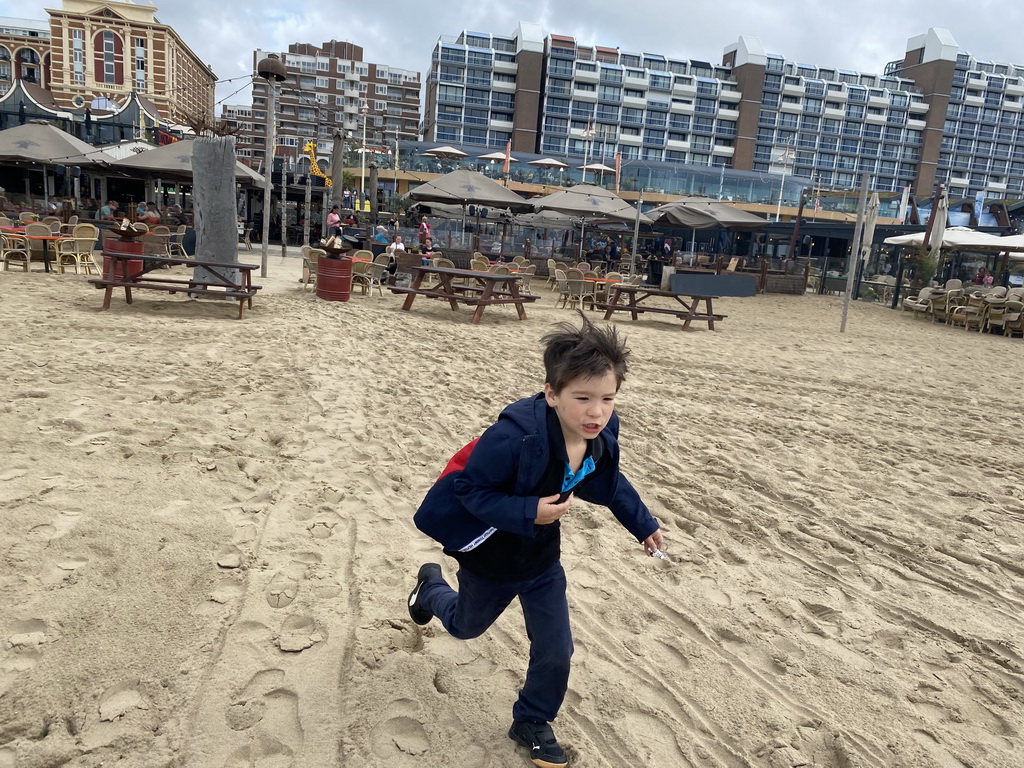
{"x":494,"y":289}
{"x":682,"y":314}
{"x":686,"y":311}
{"x":220,"y":286}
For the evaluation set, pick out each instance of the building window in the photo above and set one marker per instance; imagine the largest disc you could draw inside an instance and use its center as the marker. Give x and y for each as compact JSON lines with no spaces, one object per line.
{"x":78,"y":57}
{"x":109,"y":58}
{"x":28,"y":65}
{"x":139,"y":44}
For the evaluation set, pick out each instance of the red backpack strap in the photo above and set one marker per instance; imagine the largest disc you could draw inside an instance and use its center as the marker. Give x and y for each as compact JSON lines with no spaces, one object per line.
{"x":458,"y":462}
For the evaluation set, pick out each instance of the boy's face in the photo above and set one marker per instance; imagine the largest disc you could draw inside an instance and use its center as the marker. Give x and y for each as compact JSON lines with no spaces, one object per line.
{"x":584,"y":405}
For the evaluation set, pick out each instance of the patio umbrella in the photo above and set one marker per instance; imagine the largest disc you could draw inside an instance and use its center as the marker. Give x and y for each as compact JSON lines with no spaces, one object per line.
{"x":446,"y":152}
{"x":701,"y":213}
{"x":452,"y":211}
{"x":496,"y":156}
{"x":597,"y":167}
{"x":37,"y":142}
{"x":963,"y":237}
{"x":40,"y":143}
{"x":870,"y":222}
{"x":548,"y":162}
{"x":547,"y":166}
{"x":465,"y":187}
{"x":939,"y":222}
{"x":590,"y":203}
{"x":176,"y":160}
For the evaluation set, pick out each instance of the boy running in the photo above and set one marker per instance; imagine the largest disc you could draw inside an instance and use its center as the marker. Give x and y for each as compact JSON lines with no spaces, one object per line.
{"x":499,"y":517}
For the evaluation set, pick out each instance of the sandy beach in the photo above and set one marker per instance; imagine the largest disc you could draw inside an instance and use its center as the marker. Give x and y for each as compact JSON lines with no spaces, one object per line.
{"x":206,"y":537}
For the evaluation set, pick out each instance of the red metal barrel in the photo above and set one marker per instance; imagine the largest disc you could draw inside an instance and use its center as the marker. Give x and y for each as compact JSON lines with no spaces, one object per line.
{"x":334,"y":278}
{"x":113,"y":244}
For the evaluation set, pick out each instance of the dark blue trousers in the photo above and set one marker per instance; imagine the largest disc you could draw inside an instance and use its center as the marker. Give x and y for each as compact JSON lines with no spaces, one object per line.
{"x":479,"y":602}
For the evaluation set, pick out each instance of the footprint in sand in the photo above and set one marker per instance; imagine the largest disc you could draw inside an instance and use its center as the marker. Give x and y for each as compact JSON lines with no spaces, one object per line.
{"x":229,"y":556}
{"x":282,"y":590}
{"x":23,"y":648}
{"x":323,"y":524}
{"x":122,"y":708}
{"x":269,"y":713}
{"x":299,"y":633}
{"x":30,"y":635}
{"x":399,"y":734}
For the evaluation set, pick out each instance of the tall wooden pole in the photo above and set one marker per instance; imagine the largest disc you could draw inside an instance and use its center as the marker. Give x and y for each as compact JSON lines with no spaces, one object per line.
{"x":854,"y":258}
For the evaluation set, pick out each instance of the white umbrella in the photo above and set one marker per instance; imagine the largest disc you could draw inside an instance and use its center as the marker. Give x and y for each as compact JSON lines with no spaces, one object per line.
{"x":450,"y":153}
{"x":595,"y":167}
{"x":496,"y":156}
{"x":548,"y":162}
{"x":962,"y":237}
{"x":939,"y":221}
{"x":870,"y":222}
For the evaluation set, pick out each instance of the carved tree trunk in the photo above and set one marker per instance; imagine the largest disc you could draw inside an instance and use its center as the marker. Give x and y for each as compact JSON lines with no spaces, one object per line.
{"x":213,"y":193}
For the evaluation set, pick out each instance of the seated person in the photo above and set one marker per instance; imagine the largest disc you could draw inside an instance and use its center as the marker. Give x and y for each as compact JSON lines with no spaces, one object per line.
{"x":428,"y":253}
{"x":395,"y":246}
{"x":151,"y":217}
{"x":381,"y":236}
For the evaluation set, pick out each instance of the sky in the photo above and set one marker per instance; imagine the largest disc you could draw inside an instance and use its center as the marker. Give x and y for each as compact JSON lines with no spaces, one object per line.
{"x":862,"y":36}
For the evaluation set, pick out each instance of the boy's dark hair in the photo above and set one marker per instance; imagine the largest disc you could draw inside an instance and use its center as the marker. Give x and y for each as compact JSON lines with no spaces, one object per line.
{"x":587,"y":352}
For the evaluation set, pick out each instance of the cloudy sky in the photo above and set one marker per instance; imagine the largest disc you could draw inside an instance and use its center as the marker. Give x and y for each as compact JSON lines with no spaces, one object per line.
{"x":862,"y":36}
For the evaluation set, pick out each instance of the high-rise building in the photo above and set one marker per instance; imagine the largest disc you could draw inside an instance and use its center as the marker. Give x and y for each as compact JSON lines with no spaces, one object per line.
{"x":486,"y":89}
{"x":328,"y":87}
{"x":939,"y":114}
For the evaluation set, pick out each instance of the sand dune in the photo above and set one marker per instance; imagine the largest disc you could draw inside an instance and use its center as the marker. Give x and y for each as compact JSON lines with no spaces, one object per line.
{"x":206,"y":538}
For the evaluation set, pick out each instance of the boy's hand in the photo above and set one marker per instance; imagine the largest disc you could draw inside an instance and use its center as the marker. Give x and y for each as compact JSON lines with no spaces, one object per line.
{"x":654,"y":543}
{"x":548,"y":510}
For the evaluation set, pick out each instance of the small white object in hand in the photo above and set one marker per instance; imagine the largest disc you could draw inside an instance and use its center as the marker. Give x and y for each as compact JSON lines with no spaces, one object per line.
{"x":659,"y":554}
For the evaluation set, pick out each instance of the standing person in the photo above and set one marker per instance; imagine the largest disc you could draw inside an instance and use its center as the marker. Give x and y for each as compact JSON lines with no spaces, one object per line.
{"x":497,"y":513}
{"x":424,"y":231}
{"x":109,"y":211}
{"x":334,"y":222}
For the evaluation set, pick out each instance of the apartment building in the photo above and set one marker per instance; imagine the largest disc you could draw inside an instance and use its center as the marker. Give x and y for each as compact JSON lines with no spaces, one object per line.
{"x":24,"y":46}
{"x":938,"y":114}
{"x":328,"y":86}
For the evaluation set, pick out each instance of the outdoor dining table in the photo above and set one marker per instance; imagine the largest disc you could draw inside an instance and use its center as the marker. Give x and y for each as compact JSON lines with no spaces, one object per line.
{"x":490,"y":288}
{"x":636,"y":294}
{"x":46,"y":240}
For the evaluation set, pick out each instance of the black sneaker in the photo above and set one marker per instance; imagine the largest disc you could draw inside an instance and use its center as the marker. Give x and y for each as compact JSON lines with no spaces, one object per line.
{"x":427,"y":572}
{"x":540,"y":740}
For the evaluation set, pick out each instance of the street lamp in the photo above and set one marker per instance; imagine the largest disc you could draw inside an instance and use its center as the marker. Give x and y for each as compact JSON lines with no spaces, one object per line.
{"x":362,"y":156}
{"x":272,"y":70}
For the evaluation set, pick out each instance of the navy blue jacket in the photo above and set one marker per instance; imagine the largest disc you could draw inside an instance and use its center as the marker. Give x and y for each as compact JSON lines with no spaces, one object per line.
{"x":496,"y":489}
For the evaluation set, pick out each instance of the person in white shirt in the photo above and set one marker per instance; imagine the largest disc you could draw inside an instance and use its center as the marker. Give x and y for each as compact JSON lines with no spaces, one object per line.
{"x":395,"y":246}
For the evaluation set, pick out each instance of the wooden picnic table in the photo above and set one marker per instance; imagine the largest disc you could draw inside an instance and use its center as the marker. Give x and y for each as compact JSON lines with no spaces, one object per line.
{"x":490,"y":288}
{"x":637,"y":294}
{"x":226,"y":280}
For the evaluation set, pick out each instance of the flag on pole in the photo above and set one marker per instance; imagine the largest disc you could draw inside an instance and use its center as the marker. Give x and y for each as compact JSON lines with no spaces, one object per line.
{"x":618,"y":167}
{"x":508,"y":156}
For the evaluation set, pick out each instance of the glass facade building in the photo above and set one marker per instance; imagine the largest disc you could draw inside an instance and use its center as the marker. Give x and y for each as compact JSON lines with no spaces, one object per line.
{"x":938,"y":115}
